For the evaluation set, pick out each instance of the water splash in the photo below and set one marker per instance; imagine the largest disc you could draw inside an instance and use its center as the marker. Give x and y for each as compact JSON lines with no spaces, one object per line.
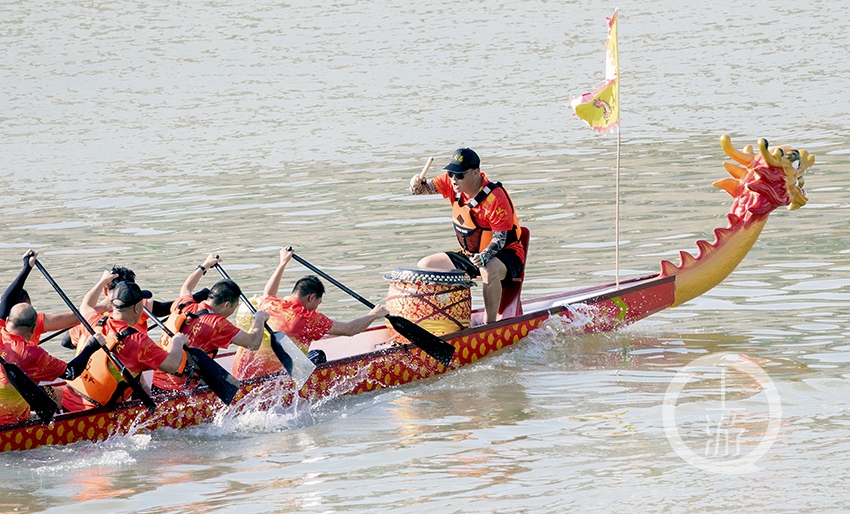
{"x":117,"y":451}
{"x":556,"y":328}
{"x":270,"y":407}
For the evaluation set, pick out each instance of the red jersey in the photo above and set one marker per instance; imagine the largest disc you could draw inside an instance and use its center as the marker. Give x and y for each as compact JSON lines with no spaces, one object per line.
{"x":100,"y":380}
{"x":287,"y":315}
{"x":35,"y":362}
{"x":37,"y":332}
{"x":209,"y":332}
{"x":495,"y":212}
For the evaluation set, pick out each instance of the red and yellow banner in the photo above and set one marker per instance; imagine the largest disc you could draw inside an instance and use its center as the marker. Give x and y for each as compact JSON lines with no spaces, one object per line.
{"x":601,"y":109}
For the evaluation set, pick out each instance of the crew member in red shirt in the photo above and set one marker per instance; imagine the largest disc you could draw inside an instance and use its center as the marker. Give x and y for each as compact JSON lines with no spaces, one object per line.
{"x":297,"y":316}
{"x":206,"y":324}
{"x":485,"y":223}
{"x":101,"y":383}
{"x":16,"y":347}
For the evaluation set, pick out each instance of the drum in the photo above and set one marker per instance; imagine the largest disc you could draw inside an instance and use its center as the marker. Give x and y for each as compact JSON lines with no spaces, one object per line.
{"x":437,"y":300}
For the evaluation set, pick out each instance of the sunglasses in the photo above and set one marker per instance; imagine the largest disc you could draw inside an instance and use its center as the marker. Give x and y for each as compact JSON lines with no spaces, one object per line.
{"x":456,"y":174}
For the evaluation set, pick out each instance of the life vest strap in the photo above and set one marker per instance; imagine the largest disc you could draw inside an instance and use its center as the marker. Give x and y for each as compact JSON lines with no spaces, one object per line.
{"x":488,"y":188}
{"x":84,"y":397}
{"x":198,"y":314}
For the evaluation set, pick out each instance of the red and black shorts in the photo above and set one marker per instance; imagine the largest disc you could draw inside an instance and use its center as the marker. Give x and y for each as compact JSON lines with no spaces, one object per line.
{"x":508,"y":257}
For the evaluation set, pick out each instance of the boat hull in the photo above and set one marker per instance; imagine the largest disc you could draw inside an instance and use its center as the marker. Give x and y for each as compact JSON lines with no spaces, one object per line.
{"x":364,"y":369}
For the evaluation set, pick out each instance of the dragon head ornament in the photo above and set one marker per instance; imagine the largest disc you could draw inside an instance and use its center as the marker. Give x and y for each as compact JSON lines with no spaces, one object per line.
{"x":767,"y":180}
{"x":759,"y":184}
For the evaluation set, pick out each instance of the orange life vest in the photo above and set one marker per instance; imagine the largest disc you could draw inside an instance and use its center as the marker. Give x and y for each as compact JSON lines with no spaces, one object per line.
{"x":176,"y":322}
{"x":472,"y":237}
{"x":101,"y":382}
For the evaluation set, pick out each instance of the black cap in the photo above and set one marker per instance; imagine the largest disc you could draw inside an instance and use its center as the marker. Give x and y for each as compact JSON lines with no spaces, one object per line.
{"x":126,"y":294}
{"x":464,"y":159}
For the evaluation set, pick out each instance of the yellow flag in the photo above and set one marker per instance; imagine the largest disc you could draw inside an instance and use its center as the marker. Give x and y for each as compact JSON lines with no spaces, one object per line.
{"x":601,"y":109}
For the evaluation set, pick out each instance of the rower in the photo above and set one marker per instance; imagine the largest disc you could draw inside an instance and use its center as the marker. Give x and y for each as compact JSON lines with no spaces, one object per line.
{"x":16,"y":347}
{"x":101,"y":384}
{"x":297,"y":316}
{"x":486,"y":226}
{"x":205,"y":323}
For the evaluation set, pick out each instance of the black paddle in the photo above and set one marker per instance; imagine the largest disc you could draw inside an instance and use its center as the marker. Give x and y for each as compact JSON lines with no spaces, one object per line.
{"x":137,"y":388}
{"x":428,"y":342}
{"x":54,"y":334}
{"x":38,"y":400}
{"x":222,"y":383}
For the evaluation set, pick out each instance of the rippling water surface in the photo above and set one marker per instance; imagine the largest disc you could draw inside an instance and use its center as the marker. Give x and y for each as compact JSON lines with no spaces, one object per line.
{"x":150,"y":134}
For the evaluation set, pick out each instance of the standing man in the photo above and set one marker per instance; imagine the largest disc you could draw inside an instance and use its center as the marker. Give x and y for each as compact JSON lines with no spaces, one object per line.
{"x":101,"y":383}
{"x":298,"y":317}
{"x":205,"y":323}
{"x":485,"y":223}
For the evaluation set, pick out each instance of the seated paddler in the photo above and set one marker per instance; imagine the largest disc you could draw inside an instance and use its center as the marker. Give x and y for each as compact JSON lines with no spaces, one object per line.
{"x":205,"y":323}
{"x":297,"y":316}
{"x":485,"y":223}
{"x":101,"y":383}
{"x":16,"y":347}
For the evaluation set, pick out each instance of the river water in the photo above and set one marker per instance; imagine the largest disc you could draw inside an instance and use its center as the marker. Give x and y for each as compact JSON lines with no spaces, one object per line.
{"x":149,"y":134}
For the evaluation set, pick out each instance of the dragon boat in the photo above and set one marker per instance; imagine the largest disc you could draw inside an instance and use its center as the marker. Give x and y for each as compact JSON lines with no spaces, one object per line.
{"x":760,"y":182}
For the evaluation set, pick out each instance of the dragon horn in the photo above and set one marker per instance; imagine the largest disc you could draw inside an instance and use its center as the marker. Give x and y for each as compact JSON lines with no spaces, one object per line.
{"x":773,"y":158}
{"x":745,"y":158}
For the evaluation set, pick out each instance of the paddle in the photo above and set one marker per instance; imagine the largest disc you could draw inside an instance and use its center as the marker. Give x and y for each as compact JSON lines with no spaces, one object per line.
{"x":428,"y":342}
{"x":222,"y":383}
{"x":137,"y":388}
{"x":294,"y":361}
{"x":54,"y":334}
{"x":38,"y":400}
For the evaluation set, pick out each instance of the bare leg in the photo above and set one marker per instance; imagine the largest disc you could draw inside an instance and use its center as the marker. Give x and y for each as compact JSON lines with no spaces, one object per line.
{"x":436,"y":261}
{"x":492,"y":276}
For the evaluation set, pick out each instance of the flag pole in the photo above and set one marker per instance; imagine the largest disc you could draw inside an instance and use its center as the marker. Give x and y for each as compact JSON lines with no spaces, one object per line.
{"x":617,"y":218}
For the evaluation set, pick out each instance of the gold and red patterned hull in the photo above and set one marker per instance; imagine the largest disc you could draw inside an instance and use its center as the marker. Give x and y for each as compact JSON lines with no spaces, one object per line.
{"x":606,"y":308}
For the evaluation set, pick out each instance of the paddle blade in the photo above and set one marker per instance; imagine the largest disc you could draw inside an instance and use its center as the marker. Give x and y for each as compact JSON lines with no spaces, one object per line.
{"x":428,"y":342}
{"x":300,"y":366}
{"x":38,"y":400}
{"x":222,"y":383}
